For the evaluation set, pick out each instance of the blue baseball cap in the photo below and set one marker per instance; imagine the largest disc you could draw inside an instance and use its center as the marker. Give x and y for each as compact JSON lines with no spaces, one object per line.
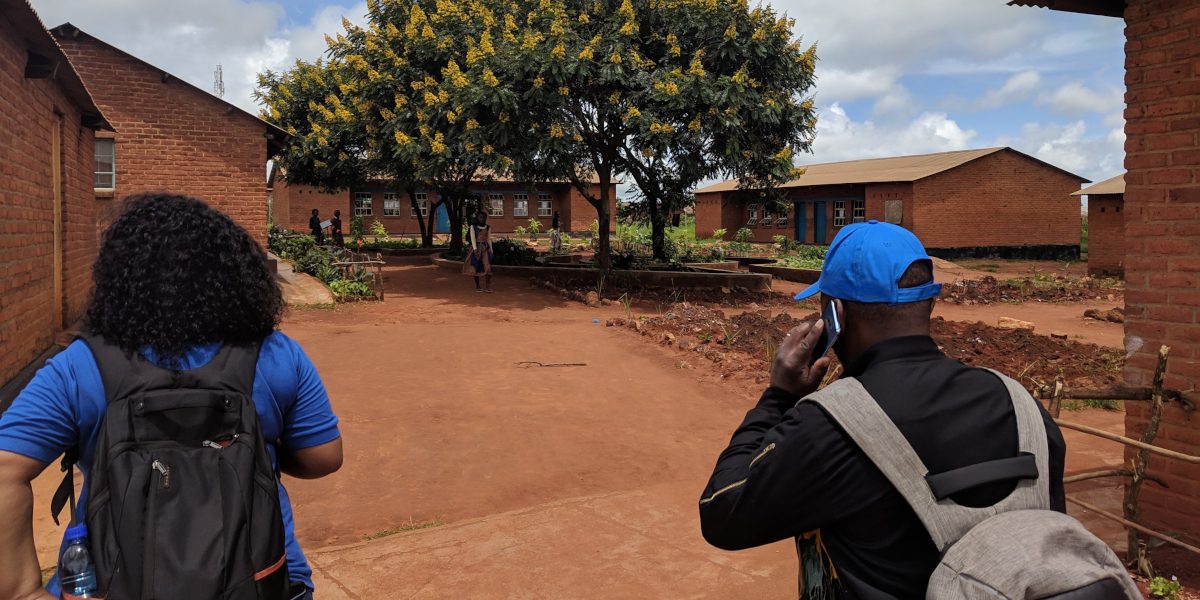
{"x":865,"y":263}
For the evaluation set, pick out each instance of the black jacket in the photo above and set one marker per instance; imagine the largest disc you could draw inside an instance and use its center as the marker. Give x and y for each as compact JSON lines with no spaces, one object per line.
{"x":817,"y":478}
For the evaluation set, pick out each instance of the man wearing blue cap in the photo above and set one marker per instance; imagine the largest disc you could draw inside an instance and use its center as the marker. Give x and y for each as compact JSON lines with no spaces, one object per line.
{"x":791,"y":471}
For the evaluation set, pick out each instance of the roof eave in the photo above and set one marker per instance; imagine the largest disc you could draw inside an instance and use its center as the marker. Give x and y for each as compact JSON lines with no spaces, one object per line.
{"x":1103,"y":8}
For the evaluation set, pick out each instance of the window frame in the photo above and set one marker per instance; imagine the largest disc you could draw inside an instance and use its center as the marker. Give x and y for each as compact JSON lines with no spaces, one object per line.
{"x":839,"y":213}
{"x":422,"y":202}
{"x":858,"y":211}
{"x":549,"y":205}
{"x":112,"y":156}
{"x":753,"y":211}
{"x":394,"y":198}
{"x":493,"y":198}
{"x":365,"y":209}
{"x":521,"y":204}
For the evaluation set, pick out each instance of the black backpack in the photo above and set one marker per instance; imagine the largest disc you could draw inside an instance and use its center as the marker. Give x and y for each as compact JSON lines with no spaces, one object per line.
{"x":184,"y":503}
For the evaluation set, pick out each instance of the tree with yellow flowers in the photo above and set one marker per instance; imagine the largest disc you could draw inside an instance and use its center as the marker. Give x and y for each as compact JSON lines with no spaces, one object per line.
{"x":667,"y":92}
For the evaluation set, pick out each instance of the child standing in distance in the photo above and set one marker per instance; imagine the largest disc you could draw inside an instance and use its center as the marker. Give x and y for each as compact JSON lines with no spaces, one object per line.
{"x":479,"y":257}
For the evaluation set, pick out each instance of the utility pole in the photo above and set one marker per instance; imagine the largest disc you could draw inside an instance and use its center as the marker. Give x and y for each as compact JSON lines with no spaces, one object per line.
{"x":219,"y":82}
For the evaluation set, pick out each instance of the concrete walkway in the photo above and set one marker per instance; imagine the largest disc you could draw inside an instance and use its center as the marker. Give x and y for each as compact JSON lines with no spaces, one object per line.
{"x":301,"y":289}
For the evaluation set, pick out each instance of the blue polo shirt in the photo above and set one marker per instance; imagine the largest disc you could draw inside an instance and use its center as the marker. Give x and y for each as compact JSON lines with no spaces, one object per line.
{"x":64,"y":404}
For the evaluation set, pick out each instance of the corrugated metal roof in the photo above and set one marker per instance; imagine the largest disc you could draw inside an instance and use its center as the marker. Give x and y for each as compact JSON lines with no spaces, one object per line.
{"x":26,"y":20}
{"x":1115,"y":185}
{"x":1107,"y":8}
{"x":873,"y":170}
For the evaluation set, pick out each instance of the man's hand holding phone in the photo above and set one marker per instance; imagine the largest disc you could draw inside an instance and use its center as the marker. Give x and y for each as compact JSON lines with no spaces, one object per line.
{"x":794,"y":370}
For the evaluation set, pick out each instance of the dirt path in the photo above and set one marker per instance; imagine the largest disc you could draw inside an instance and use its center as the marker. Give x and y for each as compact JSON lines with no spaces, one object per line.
{"x":539,"y":482}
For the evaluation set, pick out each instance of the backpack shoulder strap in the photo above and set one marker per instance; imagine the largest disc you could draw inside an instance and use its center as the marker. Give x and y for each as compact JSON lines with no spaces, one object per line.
{"x":849,"y":403}
{"x":233,"y":368}
{"x":122,"y":372}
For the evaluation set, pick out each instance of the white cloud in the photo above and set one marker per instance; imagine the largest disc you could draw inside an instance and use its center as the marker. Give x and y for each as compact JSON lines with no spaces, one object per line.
{"x":189,"y":38}
{"x":840,"y":137}
{"x":1018,"y":87}
{"x":841,"y":85}
{"x":1075,"y":98}
{"x":1072,"y":147}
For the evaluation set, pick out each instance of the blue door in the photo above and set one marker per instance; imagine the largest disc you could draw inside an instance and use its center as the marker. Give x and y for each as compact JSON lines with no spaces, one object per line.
{"x":442,"y":223}
{"x":819,"y":223}
{"x":798,"y":210}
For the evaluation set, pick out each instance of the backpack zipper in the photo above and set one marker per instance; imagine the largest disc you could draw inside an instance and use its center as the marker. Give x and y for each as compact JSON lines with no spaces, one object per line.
{"x":164,"y":471}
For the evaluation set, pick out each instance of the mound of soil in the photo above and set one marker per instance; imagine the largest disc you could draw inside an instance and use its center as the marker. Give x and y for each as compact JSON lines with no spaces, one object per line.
{"x":736,"y":297}
{"x":988,"y":290}
{"x":746,"y":342}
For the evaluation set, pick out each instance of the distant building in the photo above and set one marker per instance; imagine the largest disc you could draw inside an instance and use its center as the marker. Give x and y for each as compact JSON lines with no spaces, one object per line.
{"x":509,"y":204}
{"x":992,"y":201}
{"x":171,"y":135}
{"x":48,"y":236}
{"x":1106,"y":226}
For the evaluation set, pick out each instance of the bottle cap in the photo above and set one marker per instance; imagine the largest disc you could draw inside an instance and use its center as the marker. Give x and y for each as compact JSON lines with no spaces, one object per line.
{"x":77,"y":532}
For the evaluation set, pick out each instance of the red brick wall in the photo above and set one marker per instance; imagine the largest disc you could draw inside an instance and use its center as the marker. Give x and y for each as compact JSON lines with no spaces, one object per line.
{"x":293,"y":204}
{"x":1106,"y":234}
{"x":711,"y":214}
{"x":28,"y":108}
{"x":578,"y":214}
{"x":877,"y":194}
{"x":1162,"y":236}
{"x":172,"y":137}
{"x":1002,"y":199}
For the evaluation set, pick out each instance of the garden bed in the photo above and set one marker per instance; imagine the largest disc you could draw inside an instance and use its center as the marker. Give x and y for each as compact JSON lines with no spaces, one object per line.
{"x":1040,"y":288}
{"x":808,"y":276}
{"x":568,"y":276}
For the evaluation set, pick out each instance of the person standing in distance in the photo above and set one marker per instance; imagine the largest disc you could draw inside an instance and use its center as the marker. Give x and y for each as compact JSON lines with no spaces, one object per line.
{"x":335,"y":228}
{"x":175,"y":282}
{"x":790,"y":471}
{"x":314,"y":227}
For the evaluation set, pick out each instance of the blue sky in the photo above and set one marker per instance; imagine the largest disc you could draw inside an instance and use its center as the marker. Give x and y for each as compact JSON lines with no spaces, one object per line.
{"x":894,"y":77}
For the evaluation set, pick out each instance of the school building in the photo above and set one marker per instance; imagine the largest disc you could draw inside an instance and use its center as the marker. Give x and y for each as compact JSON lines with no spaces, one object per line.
{"x":171,"y":135}
{"x":48,"y":235}
{"x":991,"y":201}
{"x":509,"y":204}
{"x":1162,"y":233}
{"x":1106,"y":226}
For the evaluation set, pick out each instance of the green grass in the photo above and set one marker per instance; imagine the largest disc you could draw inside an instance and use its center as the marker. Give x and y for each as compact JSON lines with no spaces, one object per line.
{"x":409,"y":526}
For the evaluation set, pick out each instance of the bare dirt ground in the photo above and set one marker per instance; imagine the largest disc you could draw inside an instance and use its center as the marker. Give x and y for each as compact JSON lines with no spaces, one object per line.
{"x":522,"y":481}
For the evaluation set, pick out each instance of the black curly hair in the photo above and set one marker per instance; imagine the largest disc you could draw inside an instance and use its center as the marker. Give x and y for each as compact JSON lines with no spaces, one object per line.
{"x":174,"y":273}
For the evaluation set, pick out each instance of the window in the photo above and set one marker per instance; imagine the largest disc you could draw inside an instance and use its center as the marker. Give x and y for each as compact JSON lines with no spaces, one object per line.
{"x":391,"y":205}
{"x":767,"y":219}
{"x":423,"y":202}
{"x":753,"y":208}
{"x":839,"y":213}
{"x":520,"y":205}
{"x":362,"y":204}
{"x":860,"y":211}
{"x":782,"y":220}
{"x":106,"y":166}
{"x":496,"y":205}
{"x":545,"y":208}
{"x":893,"y":211}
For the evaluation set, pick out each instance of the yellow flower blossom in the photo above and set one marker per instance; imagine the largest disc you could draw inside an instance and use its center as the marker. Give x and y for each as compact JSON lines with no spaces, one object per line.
{"x":615,"y":58}
{"x":485,"y":43}
{"x":427,"y":33}
{"x":472,"y":124}
{"x":559,"y":51}
{"x":424,"y":129}
{"x":741,"y":77}
{"x":402,"y":139}
{"x":538,"y":82}
{"x":454,"y":75}
{"x":669,"y":88}
{"x":583,"y":18}
{"x":430,"y":98}
{"x":747,"y":154}
{"x":438,"y":145}
{"x":632,"y":113}
{"x":694,"y":125}
{"x":586,"y":53}
{"x":629,"y":28}
{"x":760,"y":34}
{"x":731,"y":32}
{"x":556,"y":131}
{"x":696,"y":69}
{"x":489,"y":78}
{"x":451,"y":116}
{"x":564,"y":91}
{"x":614,"y":98}
{"x":487,"y":149}
{"x":577,"y":137}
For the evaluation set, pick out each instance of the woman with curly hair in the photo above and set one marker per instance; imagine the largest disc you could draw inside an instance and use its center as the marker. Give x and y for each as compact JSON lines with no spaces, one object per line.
{"x":175,"y":281}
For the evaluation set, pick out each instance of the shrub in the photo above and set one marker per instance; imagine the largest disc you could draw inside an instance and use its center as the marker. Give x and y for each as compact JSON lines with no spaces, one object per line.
{"x":508,"y":252}
{"x":744,"y":236}
{"x":356,"y":227}
{"x":719,"y":234}
{"x":535,"y":226}
{"x":519,"y":231}
{"x":351,"y":288}
{"x":379,"y":231}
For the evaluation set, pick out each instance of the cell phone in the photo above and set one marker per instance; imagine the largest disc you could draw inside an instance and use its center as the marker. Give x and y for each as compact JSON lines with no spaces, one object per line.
{"x":833,"y":328}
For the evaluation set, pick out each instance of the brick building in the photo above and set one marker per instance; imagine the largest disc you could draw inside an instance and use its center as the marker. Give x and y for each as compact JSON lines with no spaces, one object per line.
{"x":1162,"y":232}
{"x":1106,"y":226}
{"x":48,"y":235}
{"x":511,"y":205}
{"x":992,"y":200}
{"x":171,"y":135}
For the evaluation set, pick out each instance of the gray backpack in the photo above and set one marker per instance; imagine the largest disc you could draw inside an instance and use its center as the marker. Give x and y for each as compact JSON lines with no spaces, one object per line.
{"x":1016,"y":549}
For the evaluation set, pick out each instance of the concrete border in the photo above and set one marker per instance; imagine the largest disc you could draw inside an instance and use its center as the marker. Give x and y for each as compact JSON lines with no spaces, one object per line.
{"x":788,"y":273}
{"x":563,"y":276}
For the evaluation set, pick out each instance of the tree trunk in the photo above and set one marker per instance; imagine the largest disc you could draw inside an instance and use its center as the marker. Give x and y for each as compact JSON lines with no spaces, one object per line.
{"x":426,"y":232}
{"x":455,"y":211}
{"x":603,"y":258}
{"x":431,"y":219}
{"x":658,"y":229}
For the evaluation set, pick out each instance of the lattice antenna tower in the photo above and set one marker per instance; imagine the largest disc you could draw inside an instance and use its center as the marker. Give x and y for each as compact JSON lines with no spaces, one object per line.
{"x":219,"y":82}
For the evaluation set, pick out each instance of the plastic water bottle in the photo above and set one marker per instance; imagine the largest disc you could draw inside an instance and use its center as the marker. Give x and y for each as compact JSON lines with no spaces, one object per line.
{"x":76,"y":571}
